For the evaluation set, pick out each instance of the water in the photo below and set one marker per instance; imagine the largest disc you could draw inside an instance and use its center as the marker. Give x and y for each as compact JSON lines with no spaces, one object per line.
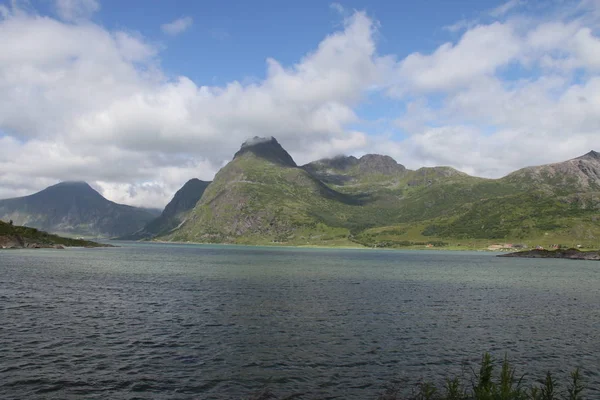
{"x":221,"y":322}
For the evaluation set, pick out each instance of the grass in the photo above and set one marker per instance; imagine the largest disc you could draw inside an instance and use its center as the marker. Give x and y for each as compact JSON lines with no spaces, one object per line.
{"x":484,"y":384}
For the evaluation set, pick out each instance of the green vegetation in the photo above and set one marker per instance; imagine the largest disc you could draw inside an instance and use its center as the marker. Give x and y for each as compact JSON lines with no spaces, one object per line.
{"x":262,"y":197}
{"x":23,"y":236}
{"x":484,"y":384}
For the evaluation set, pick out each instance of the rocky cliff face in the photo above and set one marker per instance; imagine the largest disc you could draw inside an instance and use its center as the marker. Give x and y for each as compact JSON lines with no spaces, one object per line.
{"x":579,"y":174}
{"x":344,"y":170}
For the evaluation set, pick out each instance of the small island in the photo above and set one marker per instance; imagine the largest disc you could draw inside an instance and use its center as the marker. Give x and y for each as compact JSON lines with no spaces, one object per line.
{"x":22,"y":237}
{"x":570,"y":254}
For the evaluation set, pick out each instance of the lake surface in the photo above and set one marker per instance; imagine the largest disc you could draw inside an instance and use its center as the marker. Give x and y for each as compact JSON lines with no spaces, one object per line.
{"x":154,"y":321}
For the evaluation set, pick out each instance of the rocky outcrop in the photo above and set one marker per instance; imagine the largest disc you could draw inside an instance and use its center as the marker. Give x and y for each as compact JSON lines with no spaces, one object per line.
{"x":18,"y":242}
{"x":11,"y":242}
{"x":571,"y":254}
{"x":268,"y":149}
{"x":579,"y":174}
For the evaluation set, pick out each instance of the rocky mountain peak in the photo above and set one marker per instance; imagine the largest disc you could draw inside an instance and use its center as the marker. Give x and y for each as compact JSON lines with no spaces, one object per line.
{"x":592,"y":155}
{"x":268,"y":149}
{"x":377,"y":163}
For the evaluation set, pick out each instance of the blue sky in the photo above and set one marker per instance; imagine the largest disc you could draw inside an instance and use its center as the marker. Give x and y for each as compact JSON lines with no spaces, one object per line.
{"x":230,"y":40}
{"x":136,"y":97}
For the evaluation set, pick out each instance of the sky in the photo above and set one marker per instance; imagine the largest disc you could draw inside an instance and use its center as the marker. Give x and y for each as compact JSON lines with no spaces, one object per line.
{"x":136,"y":97}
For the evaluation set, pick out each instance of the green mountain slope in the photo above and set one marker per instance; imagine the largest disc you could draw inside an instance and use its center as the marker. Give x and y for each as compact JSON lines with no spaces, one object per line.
{"x":262,"y":196}
{"x":74,"y":208}
{"x":174,"y":213}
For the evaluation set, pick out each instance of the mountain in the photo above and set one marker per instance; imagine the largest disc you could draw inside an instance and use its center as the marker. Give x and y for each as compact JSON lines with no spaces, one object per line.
{"x":174,"y":213}
{"x":262,"y":196}
{"x":576,"y":175}
{"x":343,"y":170}
{"x":74,"y":208}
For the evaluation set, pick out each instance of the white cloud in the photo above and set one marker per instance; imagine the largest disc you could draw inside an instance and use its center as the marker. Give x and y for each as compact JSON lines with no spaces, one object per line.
{"x":337,"y":7}
{"x":504,"y":8}
{"x":81,"y":102}
{"x":178,"y":26}
{"x":74,"y":10}
{"x":481,"y":51}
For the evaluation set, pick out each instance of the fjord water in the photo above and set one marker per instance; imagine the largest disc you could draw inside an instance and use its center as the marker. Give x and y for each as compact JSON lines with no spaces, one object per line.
{"x":220,"y":322}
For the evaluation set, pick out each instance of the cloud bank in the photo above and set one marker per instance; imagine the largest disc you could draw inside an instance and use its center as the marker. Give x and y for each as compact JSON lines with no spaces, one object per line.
{"x":80,"y":102}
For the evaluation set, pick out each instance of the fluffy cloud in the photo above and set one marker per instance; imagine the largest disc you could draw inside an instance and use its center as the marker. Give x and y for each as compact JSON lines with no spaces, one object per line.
{"x":508,"y":94}
{"x":80,"y":102}
{"x":178,"y":26}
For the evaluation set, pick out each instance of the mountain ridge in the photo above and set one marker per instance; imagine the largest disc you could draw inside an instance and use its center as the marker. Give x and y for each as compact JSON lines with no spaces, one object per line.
{"x":262,"y":196}
{"x":174,"y":212}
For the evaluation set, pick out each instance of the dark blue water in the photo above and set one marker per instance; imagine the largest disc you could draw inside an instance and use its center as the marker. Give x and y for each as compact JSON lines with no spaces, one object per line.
{"x":153,"y":321}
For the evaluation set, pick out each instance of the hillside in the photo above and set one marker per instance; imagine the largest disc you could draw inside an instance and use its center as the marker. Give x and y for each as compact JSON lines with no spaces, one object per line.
{"x":174,"y":213}
{"x":262,"y":196}
{"x":74,"y":208}
{"x":17,"y":237}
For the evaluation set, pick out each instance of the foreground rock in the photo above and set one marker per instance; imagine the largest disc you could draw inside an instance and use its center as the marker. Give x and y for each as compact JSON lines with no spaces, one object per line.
{"x":571,"y":254}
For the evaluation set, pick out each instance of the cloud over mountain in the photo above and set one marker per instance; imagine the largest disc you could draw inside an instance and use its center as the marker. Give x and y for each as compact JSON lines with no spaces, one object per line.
{"x":81,"y":101}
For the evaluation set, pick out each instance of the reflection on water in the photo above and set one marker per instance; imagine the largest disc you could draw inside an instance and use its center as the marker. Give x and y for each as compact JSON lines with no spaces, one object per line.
{"x":219,"y":322}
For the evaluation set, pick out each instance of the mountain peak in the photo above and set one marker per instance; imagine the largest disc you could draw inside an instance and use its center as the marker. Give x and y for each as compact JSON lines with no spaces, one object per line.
{"x":268,"y":149}
{"x":592,"y":155}
{"x":377,"y":163}
{"x":72,"y":187}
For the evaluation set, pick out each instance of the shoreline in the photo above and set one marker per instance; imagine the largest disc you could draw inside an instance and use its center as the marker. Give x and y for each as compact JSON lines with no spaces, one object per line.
{"x":324,"y":247}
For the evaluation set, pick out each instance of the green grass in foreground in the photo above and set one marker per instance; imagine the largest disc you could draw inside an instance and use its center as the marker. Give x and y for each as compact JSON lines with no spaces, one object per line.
{"x":483,"y":385}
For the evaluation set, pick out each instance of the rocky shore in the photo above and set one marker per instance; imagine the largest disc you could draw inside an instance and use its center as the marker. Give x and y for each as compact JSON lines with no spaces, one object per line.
{"x":17,"y":242}
{"x":22,"y":237}
{"x":570,"y":254}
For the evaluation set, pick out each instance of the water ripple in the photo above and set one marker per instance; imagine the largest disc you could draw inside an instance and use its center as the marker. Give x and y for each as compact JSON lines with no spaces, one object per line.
{"x":189,"y":322}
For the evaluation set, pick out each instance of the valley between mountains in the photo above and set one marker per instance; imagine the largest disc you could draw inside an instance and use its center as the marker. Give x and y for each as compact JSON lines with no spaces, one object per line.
{"x":262,"y":197}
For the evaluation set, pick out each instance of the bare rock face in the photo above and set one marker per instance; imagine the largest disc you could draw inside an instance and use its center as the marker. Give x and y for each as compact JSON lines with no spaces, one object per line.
{"x":342,"y":170}
{"x":378,"y":164}
{"x":570,"y":254}
{"x":11,"y":242}
{"x":579,"y":174}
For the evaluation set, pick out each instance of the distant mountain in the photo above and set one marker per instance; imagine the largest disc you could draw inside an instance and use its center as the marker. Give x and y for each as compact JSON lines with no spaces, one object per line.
{"x":174,"y":213}
{"x":579,"y":174}
{"x":262,"y":196}
{"x":74,"y":208}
